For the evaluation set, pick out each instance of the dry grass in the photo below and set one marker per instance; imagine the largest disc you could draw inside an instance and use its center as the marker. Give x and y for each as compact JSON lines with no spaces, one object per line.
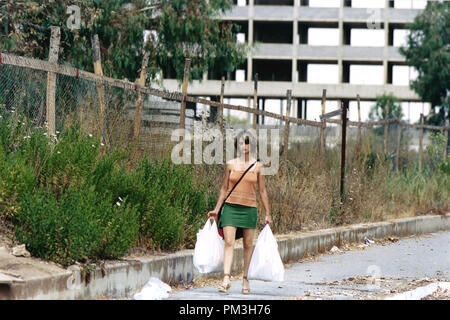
{"x":304,"y":194}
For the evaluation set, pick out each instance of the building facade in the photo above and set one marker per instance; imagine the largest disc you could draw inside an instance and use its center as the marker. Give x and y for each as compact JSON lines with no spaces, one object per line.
{"x":347,"y":47}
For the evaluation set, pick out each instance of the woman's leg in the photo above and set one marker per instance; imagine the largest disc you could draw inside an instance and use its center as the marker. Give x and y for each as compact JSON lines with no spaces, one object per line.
{"x":249,"y":235}
{"x":229,"y":234}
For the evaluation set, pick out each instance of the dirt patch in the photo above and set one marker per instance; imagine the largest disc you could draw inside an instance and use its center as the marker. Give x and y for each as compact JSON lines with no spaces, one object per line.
{"x":206,"y":281}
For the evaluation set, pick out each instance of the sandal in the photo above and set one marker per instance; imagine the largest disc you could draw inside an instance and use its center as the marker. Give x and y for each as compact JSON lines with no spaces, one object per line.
{"x":225,"y":288}
{"x":245,"y":290}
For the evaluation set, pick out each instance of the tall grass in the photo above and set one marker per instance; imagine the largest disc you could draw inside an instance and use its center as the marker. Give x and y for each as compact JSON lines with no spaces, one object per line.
{"x":70,"y":202}
{"x":305,"y":194}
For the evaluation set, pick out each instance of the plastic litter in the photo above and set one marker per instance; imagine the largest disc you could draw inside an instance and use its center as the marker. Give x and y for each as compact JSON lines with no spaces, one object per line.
{"x":266,"y":262}
{"x":368,"y":241}
{"x":335,"y":249}
{"x":209,"y":249}
{"x":155,"y":289}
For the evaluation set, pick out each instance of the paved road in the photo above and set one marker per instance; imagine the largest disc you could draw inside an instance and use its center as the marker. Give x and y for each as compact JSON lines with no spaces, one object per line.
{"x":372,"y":272}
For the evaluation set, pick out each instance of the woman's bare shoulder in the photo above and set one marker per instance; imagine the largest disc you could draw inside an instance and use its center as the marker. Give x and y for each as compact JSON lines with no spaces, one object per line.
{"x":259,"y":166}
{"x":230,"y":164}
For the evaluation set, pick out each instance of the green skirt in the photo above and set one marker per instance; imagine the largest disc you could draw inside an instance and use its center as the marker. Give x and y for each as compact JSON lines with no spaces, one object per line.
{"x":239,"y":216}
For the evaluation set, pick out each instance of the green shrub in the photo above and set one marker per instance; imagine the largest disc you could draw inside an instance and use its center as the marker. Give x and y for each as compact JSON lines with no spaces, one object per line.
{"x":69,"y":203}
{"x":17,"y":175}
{"x":171,"y":205}
{"x":435,"y":154}
{"x":444,"y":166}
{"x":81,"y":224}
{"x":174,"y":204}
{"x":71,"y":161}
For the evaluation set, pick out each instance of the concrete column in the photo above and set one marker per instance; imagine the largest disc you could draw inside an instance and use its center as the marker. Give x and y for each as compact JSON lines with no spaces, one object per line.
{"x":386,"y":42}
{"x":341,"y":41}
{"x":294,"y":41}
{"x":250,"y":39}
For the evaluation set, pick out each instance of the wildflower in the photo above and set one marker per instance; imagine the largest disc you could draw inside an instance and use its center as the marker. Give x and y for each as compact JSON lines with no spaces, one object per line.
{"x":93,"y":146}
{"x":118,"y":203}
{"x":120,"y":199}
{"x":90,"y":135}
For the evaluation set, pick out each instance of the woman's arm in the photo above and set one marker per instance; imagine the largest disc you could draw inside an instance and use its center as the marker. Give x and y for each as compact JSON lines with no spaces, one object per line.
{"x":222,"y":194}
{"x":263,"y":195}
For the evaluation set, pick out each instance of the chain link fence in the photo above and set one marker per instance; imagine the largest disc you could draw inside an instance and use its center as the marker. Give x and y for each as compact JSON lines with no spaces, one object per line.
{"x":77,"y":100}
{"x":303,"y":183}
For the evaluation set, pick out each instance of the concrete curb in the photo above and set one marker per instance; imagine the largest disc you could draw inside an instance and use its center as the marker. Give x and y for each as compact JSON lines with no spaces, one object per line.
{"x":126,"y":277}
{"x":420,"y":292}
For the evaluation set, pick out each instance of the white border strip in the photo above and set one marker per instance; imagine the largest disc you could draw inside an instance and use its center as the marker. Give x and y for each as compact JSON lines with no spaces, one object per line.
{"x":420,"y":292}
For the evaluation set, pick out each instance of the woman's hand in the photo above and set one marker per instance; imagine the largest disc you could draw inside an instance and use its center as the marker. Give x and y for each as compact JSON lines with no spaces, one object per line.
{"x":268,"y":219}
{"x":212,"y":214}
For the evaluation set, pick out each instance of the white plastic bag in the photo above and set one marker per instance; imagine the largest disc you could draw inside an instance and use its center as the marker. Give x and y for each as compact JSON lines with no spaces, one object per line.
{"x":266,"y":262}
{"x":155,"y":289}
{"x":208,"y":252}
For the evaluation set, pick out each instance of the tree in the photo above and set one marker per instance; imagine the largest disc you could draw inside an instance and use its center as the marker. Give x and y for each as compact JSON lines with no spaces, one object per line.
{"x":179,"y":29}
{"x":428,"y":51}
{"x":378,"y":110}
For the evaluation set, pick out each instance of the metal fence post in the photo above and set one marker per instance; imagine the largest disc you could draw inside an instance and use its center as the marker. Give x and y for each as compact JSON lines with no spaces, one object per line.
{"x":100,"y":89}
{"x":344,"y":136}
{"x":142,"y":79}
{"x":286,"y":125}
{"x":222,"y":91}
{"x":255,"y":101}
{"x":51,"y":83}
{"x":421,"y":142}
{"x":322,"y":128}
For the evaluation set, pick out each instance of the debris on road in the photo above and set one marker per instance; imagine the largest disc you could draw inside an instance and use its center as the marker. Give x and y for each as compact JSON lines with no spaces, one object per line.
{"x":439,"y":294}
{"x":393,"y":239}
{"x":155,"y":289}
{"x":335,"y":249}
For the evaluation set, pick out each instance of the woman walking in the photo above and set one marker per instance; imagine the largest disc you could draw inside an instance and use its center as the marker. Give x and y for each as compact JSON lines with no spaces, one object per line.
{"x":239,"y":212}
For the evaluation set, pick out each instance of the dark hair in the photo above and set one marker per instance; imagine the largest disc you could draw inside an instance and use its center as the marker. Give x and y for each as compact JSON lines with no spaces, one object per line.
{"x":248,"y":139}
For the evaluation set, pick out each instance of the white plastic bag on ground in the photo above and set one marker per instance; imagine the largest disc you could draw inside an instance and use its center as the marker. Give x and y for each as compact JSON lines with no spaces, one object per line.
{"x":266,"y":262}
{"x":208,"y":252}
{"x":155,"y":289}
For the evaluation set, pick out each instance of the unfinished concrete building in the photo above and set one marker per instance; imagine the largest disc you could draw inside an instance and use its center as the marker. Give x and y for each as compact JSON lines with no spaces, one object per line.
{"x":347,"y":47}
